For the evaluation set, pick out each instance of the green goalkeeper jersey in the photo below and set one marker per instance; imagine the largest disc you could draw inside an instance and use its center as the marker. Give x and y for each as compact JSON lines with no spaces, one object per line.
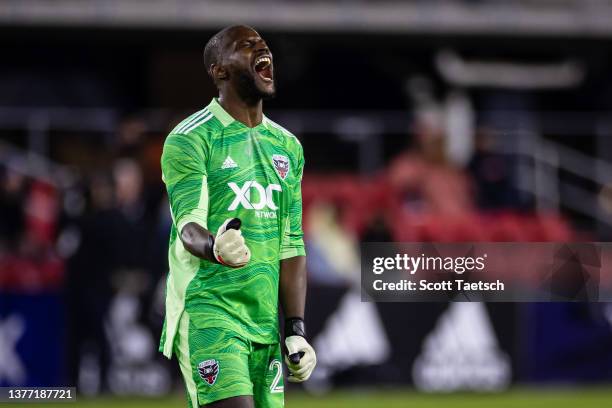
{"x":215,"y":168}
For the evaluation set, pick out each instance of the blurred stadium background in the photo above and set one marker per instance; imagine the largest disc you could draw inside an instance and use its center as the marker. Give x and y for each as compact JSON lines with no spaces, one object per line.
{"x":439,"y":120}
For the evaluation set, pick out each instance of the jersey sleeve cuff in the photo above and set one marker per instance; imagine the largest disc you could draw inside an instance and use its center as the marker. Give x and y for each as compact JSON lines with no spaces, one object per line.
{"x":292,"y":252}
{"x":199,"y":216}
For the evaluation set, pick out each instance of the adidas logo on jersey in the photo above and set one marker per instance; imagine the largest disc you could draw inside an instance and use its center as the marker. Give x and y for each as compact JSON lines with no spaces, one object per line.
{"x":229,"y":163}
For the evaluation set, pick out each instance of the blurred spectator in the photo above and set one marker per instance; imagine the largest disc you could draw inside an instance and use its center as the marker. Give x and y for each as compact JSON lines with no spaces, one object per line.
{"x":135,"y":232}
{"x":114,"y":256}
{"x":88,"y":285}
{"x":332,"y":250}
{"x":424,"y":177}
{"x":28,"y":212}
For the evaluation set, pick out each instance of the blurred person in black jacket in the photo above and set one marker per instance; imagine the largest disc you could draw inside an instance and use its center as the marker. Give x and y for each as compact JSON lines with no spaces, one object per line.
{"x":88,"y":281}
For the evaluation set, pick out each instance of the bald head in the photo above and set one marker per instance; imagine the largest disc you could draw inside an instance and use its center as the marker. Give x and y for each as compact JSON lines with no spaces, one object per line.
{"x":214,"y":47}
{"x":240,"y":63}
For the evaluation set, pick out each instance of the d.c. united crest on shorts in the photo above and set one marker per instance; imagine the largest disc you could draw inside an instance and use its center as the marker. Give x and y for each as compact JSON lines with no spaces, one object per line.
{"x":281,"y":164}
{"x":209,"y":370}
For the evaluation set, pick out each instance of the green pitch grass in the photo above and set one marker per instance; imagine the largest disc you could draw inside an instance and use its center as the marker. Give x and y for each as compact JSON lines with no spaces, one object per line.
{"x":553,"y":398}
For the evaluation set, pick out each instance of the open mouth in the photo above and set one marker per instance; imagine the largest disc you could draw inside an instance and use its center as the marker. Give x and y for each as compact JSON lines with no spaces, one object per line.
{"x":263,"y":67}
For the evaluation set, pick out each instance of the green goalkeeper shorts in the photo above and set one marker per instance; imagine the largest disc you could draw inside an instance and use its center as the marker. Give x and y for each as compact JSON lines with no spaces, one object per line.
{"x":217,"y":364}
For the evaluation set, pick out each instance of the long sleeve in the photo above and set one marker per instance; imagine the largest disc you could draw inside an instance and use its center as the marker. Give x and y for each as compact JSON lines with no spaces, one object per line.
{"x":184,"y":172}
{"x":293,"y":237}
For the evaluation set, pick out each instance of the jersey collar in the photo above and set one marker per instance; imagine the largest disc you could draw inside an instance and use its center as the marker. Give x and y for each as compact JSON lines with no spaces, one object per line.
{"x":226,"y":119}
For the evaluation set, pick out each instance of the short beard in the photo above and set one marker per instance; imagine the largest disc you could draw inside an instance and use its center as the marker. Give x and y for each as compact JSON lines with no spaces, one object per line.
{"x":248,"y":91}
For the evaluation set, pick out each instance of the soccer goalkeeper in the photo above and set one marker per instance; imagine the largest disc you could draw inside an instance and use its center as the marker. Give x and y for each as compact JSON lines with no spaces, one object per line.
{"x":234,"y":183}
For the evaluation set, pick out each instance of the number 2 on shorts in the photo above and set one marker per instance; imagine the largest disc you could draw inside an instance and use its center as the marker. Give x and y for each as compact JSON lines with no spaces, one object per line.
{"x":276,"y":365}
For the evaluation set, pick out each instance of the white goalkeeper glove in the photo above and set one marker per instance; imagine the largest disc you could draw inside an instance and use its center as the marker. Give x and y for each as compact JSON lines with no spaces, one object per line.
{"x":300,"y":358}
{"x":229,"y":248}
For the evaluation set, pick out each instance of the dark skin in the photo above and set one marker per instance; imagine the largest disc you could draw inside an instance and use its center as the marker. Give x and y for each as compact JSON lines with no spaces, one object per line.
{"x":240,"y":48}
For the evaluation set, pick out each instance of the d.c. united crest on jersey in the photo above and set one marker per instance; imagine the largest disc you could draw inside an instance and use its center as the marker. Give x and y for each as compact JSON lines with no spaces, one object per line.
{"x":281,"y":164}
{"x":209,"y":370}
